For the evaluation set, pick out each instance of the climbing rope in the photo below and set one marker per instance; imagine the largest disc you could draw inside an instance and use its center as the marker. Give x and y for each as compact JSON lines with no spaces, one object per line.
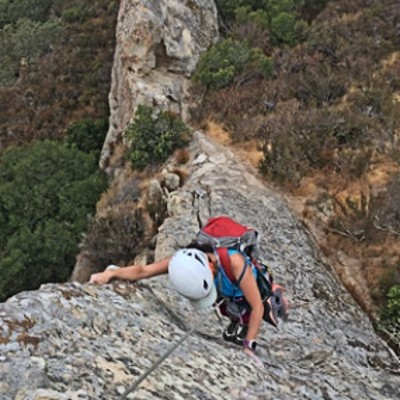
{"x":133,"y":387}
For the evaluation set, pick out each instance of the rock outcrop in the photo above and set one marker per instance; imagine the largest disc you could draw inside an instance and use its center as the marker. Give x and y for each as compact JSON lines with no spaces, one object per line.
{"x":75,"y":341}
{"x":158,"y":44}
{"x":78,"y":341}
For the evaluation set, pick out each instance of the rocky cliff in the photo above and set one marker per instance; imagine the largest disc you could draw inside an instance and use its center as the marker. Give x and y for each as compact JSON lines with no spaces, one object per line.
{"x":78,"y":341}
{"x":158,"y":44}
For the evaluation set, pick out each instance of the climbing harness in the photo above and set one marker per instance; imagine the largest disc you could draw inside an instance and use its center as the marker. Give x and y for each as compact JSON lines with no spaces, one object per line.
{"x":167,"y":353}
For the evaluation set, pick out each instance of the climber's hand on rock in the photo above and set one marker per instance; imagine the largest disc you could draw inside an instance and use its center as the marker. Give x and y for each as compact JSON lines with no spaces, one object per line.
{"x":250,"y":353}
{"x":101,"y":278}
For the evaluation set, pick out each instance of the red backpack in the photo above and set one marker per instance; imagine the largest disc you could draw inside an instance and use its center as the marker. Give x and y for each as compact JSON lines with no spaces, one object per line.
{"x":223,"y":233}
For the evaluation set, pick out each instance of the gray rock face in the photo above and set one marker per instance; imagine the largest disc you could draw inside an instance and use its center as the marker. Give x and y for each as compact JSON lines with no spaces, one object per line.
{"x":158,"y":44}
{"x":77,"y":341}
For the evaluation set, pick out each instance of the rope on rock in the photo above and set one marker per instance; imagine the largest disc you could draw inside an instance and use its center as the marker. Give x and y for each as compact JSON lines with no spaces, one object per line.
{"x":166,"y":354}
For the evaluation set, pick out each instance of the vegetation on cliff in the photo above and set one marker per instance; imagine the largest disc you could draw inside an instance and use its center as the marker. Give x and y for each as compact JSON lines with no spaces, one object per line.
{"x":55,"y":65}
{"x":55,"y":72}
{"x":154,"y":135}
{"x":329,"y":114}
{"x":314,"y":82}
{"x":47,"y":192}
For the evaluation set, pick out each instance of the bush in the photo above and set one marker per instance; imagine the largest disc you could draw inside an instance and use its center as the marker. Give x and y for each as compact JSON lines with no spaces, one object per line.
{"x":234,"y":10}
{"x":227,"y":8}
{"x":221,"y":63}
{"x":320,"y":84}
{"x":260,"y":62}
{"x":283,"y":161}
{"x":259,"y":18}
{"x":24,"y":41}
{"x":35,"y":10}
{"x":75,"y":14}
{"x":392,"y":310}
{"x":47,"y":192}
{"x":219,"y":66}
{"x":283,"y":29}
{"x":311,"y":8}
{"x":154,"y":135}
{"x":295,"y":143}
{"x":298,"y":143}
{"x":88,"y":135}
{"x":387,"y":211}
{"x":116,"y":238}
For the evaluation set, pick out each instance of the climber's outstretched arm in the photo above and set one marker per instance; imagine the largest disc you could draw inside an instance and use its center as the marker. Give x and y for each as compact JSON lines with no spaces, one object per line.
{"x":132,"y":272}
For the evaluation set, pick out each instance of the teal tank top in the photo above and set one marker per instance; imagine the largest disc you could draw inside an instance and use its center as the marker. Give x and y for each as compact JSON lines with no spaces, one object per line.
{"x":224,"y":286}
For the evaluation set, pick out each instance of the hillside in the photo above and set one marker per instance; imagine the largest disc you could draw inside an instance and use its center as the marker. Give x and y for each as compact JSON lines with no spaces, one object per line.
{"x":324,"y":129}
{"x":74,"y":341}
{"x":317,"y":102}
{"x":50,"y":82}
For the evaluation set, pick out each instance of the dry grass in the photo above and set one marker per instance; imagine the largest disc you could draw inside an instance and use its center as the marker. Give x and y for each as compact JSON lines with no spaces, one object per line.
{"x":182,"y":156}
{"x":126,"y":186}
{"x":248,"y":151}
{"x":218,"y":133}
{"x":366,"y":269}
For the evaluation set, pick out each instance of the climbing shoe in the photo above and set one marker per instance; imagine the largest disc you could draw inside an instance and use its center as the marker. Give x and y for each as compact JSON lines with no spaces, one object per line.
{"x":235,"y":333}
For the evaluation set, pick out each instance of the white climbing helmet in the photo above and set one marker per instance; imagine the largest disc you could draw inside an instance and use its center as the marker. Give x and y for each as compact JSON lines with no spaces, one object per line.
{"x":191,"y":276}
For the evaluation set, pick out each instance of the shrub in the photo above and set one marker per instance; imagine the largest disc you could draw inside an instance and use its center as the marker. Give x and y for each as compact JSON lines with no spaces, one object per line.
{"x":391,"y":312}
{"x":311,"y":8}
{"x":377,"y":103}
{"x":283,"y":161}
{"x":293,"y":143}
{"x":88,"y":135}
{"x":74,"y":14}
{"x":117,"y":237}
{"x":219,"y":66}
{"x":35,"y":10}
{"x":354,"y":162}
{"x":252,"y":34}
{"x":47,"y":191}
{"x":154,"y":135}
{"x":387,"y":211}
{"x":26,"y":40}
{"x":234,"y":10}
{"x":373,"y":221}
{"x":221,"y":63}
{"x":320,"y":84}
{"x":259,"y":18}
{"x":317,"y":139}
{"x":227,"y":8}
{"x":283,"y":29}
{"x":259,"y":61}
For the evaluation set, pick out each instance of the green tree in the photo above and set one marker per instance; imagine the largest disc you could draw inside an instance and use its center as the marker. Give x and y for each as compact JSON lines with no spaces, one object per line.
{"x":283,"y":28}
{"x":88,"y":135}
{"x":35,"y":10}
{"x":391,"y":313}
{"x":76,"y":13}
{"x":221,"y":63}
{"x":309,"y":9}
{"x":47,"y":192}
{"x":154,"y":136}
{"x":22,"y":43}
{"x":30,"y":39}
{"x":228,"y":8}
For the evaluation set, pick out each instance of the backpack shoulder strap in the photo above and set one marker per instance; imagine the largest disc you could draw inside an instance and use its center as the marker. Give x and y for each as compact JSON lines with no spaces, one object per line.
{"x":226,"y":264}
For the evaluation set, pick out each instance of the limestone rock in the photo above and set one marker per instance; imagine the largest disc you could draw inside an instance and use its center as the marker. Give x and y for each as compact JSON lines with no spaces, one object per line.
{"x":157,"y":48}
{"x":171,"y":181}
{"x":81,"y":341}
